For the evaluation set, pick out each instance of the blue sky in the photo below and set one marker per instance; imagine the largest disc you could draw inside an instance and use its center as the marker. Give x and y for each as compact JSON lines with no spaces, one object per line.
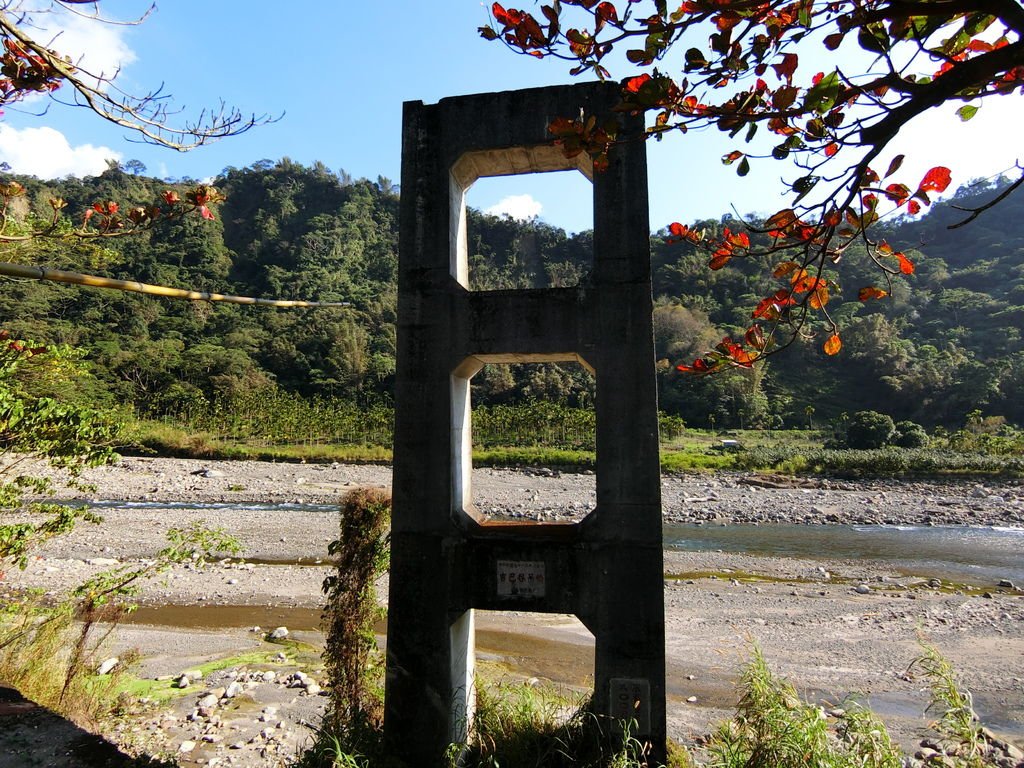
{"x":338,"y":72}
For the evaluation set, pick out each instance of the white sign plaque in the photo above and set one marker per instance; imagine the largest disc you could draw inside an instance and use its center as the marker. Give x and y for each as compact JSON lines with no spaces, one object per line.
{"x":520,"y":578}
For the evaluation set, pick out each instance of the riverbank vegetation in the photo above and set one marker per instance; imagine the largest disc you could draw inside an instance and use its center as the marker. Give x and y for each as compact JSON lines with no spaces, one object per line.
{"x":540,"y":726}
{"x":541,"y":434}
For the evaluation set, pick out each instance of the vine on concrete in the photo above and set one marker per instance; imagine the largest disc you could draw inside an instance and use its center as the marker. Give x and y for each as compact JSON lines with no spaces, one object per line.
{"x":353,"y":661}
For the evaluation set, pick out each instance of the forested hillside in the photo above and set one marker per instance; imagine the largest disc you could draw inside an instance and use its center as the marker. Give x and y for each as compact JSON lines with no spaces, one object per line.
{"x":946,"y":342}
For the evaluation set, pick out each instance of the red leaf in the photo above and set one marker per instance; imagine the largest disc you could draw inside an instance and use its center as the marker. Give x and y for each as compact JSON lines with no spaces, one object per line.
{"x":906,"y":265}
{"x":736,"y":239}
{"x":727,"y":20}
{"x":741,"y":357}
{"x":502,"y":15}
{"x":781,"y":220}
{"x":820,"y":297}
{"x":784,"y":97}
{"x":720,"y":259}
{"x":832,"y":41}
{"x":732,"y":157}
{"x":769,"y":307}
{"x":606,"y":12}
{"x":868,"y":178}
{"x":755,"y":337}
{"x":802,"y":282}
{"x":913,"y":207}
{"x":785,"y":268}
{"x":787,"y":67}
{"x":699,"y":366}
{"x":894,"y":165}
{"x":682,"y":232}
{"x":871,"y":292}
{"x":898,"y":193}
{"x":833,"y":344}
{"x":937,"y":179}
{"x":634,"y":84}
{"x":831,"y":149}
{"x":766,"y":308}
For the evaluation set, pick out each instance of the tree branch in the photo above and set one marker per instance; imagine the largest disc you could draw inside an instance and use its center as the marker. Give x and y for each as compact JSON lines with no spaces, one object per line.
{"x":60,"y":276}
{"x":980,"y":69}
{"x":976,"y":212}
{"x":146,"y":115}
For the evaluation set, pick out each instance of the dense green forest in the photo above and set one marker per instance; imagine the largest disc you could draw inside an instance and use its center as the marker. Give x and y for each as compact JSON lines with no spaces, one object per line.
{"x":947,"y":341}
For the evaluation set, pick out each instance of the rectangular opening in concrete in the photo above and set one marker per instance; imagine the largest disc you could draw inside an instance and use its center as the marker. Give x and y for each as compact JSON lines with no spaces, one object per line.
{"x":546,"y":412}
{"x":514,"y":241}
{"x":536,"y":649}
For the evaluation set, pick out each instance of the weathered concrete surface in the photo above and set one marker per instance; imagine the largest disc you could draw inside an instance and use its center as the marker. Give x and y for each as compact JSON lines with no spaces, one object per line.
{"x":446,"y":560}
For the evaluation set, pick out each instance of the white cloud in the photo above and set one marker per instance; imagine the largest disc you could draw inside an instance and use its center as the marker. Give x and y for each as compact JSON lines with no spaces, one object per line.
{"x":46,"y":153}
{"x":98,"y":48}
{"x":518,"y":207}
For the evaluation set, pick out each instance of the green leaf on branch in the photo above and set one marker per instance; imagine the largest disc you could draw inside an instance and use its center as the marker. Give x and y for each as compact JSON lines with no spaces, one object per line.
{"x":823,"y":94}
{"x":966,"y":112}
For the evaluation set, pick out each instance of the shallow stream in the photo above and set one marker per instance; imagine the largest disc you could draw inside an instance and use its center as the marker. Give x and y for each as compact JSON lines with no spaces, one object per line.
{"x":972,"y":555}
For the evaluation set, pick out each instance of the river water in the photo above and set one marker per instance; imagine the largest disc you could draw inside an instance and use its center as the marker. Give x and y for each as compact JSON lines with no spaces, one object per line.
{"x":972,"y":555}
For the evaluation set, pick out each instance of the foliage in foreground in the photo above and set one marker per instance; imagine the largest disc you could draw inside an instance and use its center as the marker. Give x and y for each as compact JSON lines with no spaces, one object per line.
{"x":774,"y":727}
{"x":521,"y":725}
{"x":35,"y":425}
{"x":351,"y":656}
{"x":351,"y":735}
{"x":515,"y":725}
{"x":50,"y":651}
{"x":524,"y":726}
{"x":743,"y":72}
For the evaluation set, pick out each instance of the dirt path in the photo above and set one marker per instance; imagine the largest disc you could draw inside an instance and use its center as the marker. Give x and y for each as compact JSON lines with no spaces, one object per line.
{"x":832,"y":627}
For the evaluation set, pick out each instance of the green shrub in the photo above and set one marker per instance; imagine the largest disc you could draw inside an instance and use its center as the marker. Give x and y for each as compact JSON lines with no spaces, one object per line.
{"x":869,"y":429}
{"x":772,"y":726}
{"x":910,"y":435}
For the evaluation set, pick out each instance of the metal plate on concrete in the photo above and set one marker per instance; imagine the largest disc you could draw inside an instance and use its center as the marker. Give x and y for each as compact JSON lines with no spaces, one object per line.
{"x":520,"y":578}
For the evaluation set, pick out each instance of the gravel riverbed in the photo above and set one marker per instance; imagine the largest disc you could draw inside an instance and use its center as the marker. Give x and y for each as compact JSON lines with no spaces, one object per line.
{"x":834,"y":627}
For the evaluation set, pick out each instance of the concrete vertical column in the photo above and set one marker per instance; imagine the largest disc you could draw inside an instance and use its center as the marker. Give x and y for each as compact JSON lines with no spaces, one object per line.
{"x":423,"y":676}
{"x":446,"y":560}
